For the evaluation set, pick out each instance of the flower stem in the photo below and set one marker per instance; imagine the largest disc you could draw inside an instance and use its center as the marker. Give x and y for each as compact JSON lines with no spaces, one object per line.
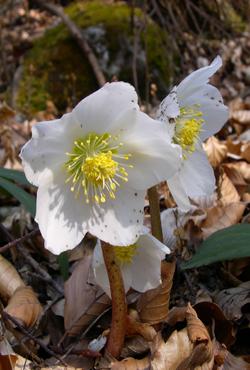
{"x":119,"y":305}
{"x":155,"y":213}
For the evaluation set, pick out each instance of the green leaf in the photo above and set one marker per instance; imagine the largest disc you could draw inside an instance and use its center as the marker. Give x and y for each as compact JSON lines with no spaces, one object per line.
{"x":14,"y":175}
{"x":63,"y":262}
{"x":227,"y":244}
{"x":28,"y":200}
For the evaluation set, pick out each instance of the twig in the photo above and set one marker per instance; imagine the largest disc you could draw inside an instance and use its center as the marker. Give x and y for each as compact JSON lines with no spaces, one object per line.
{"x":67,"y":332}
{"x":70,"y":349}
{"x":27,"y":334}
{"x":77,"y":34}
{"x":19,"y":240}
{"x":32,"y":261}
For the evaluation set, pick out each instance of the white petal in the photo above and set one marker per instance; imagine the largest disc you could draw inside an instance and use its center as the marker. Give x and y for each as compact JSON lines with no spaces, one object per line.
{"x":146,"y":266}
{"x":169,"y":107}
{"x":178,"y":192}
{"x":171,"y":219}
{"x":126,"y":276}
{"x":62,"y":219}
{"x":118,"y":221}
{"x":154,"y":157}
{"x":215,"y":113}
{"x":100,"y":272}
{"x":197,"y":78}
{"x":99,"y":269}
{"x":44,"y":154}
{"x":100,"y":111}
{"x":197,"y":175}
{"x":195,"y":179}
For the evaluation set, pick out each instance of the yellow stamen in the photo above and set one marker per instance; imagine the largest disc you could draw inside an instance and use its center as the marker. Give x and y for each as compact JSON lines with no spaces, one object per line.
{"x":96,"y":167}
{"x":188,"y":128}
{"x":126,"y":254}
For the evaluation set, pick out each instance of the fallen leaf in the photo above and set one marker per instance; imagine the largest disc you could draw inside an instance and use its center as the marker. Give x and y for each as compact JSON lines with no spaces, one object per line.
{"x":135,"y":346}
{"x":232,"y":301}
{"x":241,"y":116}
{"x":153,"y":305}
{"x":224,"y":360}
{"x":236,"y":177}
{"x":227,"y":191}
{"x":245,"y":152}
{"x":82,"y":304}
{"x":131,"y":364}
{"x":24,"y":306}
{"x":134,"y":327}
{"x":169,"y":355}
{"x":7,"y":356}
{"x":220,"y":217}
{"x":215,"y":150}
{"x":10,"y":280}
{"x":242,"y":167}
{"x":234,"y":147}
{"x":236,"y":104}
{"x":214,"y":318}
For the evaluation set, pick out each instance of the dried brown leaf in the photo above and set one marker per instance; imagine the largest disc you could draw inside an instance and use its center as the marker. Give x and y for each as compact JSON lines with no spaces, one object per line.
{"x":236,"y":104}
{"x":228,"y":192}
{"x":6,"y":113}
{"x":169,"y":355}
{"x":233,"y":300}
{"x":131,"y":364}
{"x":216,"y":151}
{"x":8,"y":362}
{"x":241,"y":116}
{"x":134,"y":327}
{"x":153,"y":305}
{"x":242,"y":167}
{"x":234,"y":147}
{"x":10,"y":280}
{"x":82,"y":304}
{"x":213,"y":317}
{"x":224,"y":360}
{"x":220,"y":217}
{"x":197,"y":332}
{"x":7,"y":356}
{"x":245,"y":151}
{"x":190,"y":348}
{"x":24,"y":306}
{"x":135,"y":346}
{"x":236,"y":177}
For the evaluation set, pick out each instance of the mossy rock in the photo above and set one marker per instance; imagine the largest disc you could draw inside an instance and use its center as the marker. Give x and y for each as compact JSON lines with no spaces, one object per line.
{"x":56,"y":69}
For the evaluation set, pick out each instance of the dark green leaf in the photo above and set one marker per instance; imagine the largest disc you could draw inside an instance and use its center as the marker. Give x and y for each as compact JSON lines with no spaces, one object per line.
{"x":29,"y":201}
{"x":14,"y":175}
{"x":227,"y":244}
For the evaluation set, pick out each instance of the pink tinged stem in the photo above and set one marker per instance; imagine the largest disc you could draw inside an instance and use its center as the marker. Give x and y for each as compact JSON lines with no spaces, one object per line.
{"x":119,"y":305}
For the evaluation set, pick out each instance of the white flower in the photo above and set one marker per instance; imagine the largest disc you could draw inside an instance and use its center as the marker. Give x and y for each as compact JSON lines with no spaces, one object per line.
{"x":140,"y":264}
{"x":193,"y":111}
{"x":92,"y":168}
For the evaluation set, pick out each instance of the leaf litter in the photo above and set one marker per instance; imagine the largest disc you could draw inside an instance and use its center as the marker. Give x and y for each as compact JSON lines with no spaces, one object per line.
{"x":56,"y":314}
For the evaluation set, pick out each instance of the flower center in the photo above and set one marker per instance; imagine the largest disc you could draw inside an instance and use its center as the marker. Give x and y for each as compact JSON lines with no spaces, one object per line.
{"x":96,"y":167}
{"x":125,"y":255}
{"x":188,"y":127}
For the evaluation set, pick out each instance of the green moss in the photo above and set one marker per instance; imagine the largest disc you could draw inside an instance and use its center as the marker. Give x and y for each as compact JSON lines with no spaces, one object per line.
{"x":233,"y":19}
{"x":56,"y":69}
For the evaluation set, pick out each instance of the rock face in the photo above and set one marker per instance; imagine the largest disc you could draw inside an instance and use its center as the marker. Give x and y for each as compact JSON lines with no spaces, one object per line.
{"x":55,"y":68}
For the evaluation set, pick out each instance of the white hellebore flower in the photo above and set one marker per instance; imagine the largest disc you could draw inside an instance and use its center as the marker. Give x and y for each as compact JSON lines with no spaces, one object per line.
{"x":92,"y":168}
{"x":140,"y":264}
{"x":193,"y":111}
